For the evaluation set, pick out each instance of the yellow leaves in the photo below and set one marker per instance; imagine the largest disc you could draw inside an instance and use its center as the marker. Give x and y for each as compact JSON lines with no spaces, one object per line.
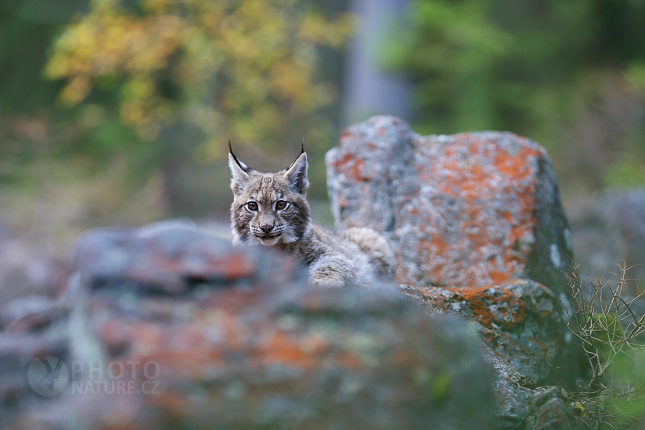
{"x":149,"y":43}
{"x":75,"y":91}
{"x":238,"y":67}
{"x":251,"y":9}
{"x":316,"y":30}
{"x":140,"y":116}
{"x":251,"y":128}
{"x":104,"y":44}
{"x":291,"y":82}
{"x":104,"y":6}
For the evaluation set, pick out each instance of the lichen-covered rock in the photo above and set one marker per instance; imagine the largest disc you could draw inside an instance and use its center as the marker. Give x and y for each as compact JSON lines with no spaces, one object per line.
{"x":16,"y":353}
{"x":256,"y":348}
{"x":468,"y":210}
{"x":520,"y":321}
{"x":30,"y":313}
{"x":551,"y":410}
{"x":170,"y":256}
{"x":478,"y":230}
{"x":525,"y":339}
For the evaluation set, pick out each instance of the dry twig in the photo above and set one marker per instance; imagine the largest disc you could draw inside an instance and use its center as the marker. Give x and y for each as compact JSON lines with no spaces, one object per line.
{"x":607,"y":327}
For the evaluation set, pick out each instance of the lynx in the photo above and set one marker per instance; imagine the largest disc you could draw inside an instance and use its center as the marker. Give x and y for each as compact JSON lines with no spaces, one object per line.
{"x":271,"y":209}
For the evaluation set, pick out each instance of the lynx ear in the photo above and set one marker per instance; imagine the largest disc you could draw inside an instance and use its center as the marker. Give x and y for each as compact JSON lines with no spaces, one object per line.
{"x":296,"y":174}
{"x":239,"y":171}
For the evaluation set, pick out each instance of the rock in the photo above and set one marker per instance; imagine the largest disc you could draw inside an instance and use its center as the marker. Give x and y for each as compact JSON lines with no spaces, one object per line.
{"x":551,"y":411}
{"x":253,"y":346}
{"x":478,"y":230}
{"x":520,"y":321}
{"x":170,"y":257}
{"x":16,"y":354}
{"x":524,"y":334}
{"x":607,"y":230}
{"x":468,"y":210}
{"x":27,"y":268}
{"x":32,"y":313}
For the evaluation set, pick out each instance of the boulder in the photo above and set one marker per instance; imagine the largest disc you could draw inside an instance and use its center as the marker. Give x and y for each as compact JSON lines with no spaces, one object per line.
{"x":478,"y":231}
{"x":525,"y":339}
{"x":551,"y":410}
{"x":168,"y":257}
{"x":30,"y":313}
{"x":468,"y":210}
{"x":246,"y":344}
{"x":17,"y":351}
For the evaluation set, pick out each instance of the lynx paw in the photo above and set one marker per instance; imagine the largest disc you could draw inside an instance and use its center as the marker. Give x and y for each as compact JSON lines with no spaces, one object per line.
{"x":332,"y":271}
{"x":327,"y":281}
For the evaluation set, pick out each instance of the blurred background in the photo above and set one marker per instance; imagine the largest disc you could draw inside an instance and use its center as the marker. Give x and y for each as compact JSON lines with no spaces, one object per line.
{"x":118,"y":112}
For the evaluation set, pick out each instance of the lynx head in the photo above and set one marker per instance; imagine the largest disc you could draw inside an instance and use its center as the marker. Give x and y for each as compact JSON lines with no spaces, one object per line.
{"x":269,"y":208}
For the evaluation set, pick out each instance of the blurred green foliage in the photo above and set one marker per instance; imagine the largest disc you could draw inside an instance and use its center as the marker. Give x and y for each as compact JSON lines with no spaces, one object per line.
{"x":26,"y":30}
{"x":541,"y":68}
{"x":160,"y":86}
{"x":627,"y":171}
{"x":629,"y":376}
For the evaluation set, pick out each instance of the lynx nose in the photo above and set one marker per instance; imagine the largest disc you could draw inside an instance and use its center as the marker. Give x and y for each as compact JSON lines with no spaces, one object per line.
{"x":266,"y":228}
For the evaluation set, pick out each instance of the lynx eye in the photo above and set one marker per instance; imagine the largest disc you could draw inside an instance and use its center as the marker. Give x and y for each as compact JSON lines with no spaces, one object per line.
{"x":253,"y":206}
{"x":280,"y":204}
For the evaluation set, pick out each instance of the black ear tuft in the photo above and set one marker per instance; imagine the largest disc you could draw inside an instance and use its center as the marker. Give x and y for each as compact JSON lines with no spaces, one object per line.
{"x":239,"y":172}
{"x":302,"y":151}
{"x":296,"y":174}
{"x":243,"y":166}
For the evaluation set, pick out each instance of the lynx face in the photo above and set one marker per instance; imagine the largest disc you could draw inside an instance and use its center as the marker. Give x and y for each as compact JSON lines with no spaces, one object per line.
{"x":269,"y":208}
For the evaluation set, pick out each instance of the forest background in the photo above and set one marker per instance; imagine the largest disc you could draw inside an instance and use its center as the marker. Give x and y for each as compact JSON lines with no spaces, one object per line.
{"x":118,"y":113}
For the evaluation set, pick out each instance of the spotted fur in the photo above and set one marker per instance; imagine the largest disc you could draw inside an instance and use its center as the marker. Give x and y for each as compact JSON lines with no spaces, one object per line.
{"x":271,"y":209}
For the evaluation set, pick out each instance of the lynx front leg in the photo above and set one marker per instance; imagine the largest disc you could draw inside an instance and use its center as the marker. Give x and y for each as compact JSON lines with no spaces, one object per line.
{"x":333,"y":270}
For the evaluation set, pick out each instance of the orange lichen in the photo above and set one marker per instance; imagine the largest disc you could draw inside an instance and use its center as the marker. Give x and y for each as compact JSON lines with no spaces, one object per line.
{"x":315,"y":344}
{"x":472,"y":183}
{"x":499,"y":277}
{"x":345,"y":134}
{"x":481,"y":309}
{"x":347,"y":359}
{"x":172,"y":403}
{"x":483,"y":302}
{"x":282,"y":349}
{"x":357,"y":169}
{"x":236,"y":266}
{"x":353,"y":167}
{"x":403,"y":358}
